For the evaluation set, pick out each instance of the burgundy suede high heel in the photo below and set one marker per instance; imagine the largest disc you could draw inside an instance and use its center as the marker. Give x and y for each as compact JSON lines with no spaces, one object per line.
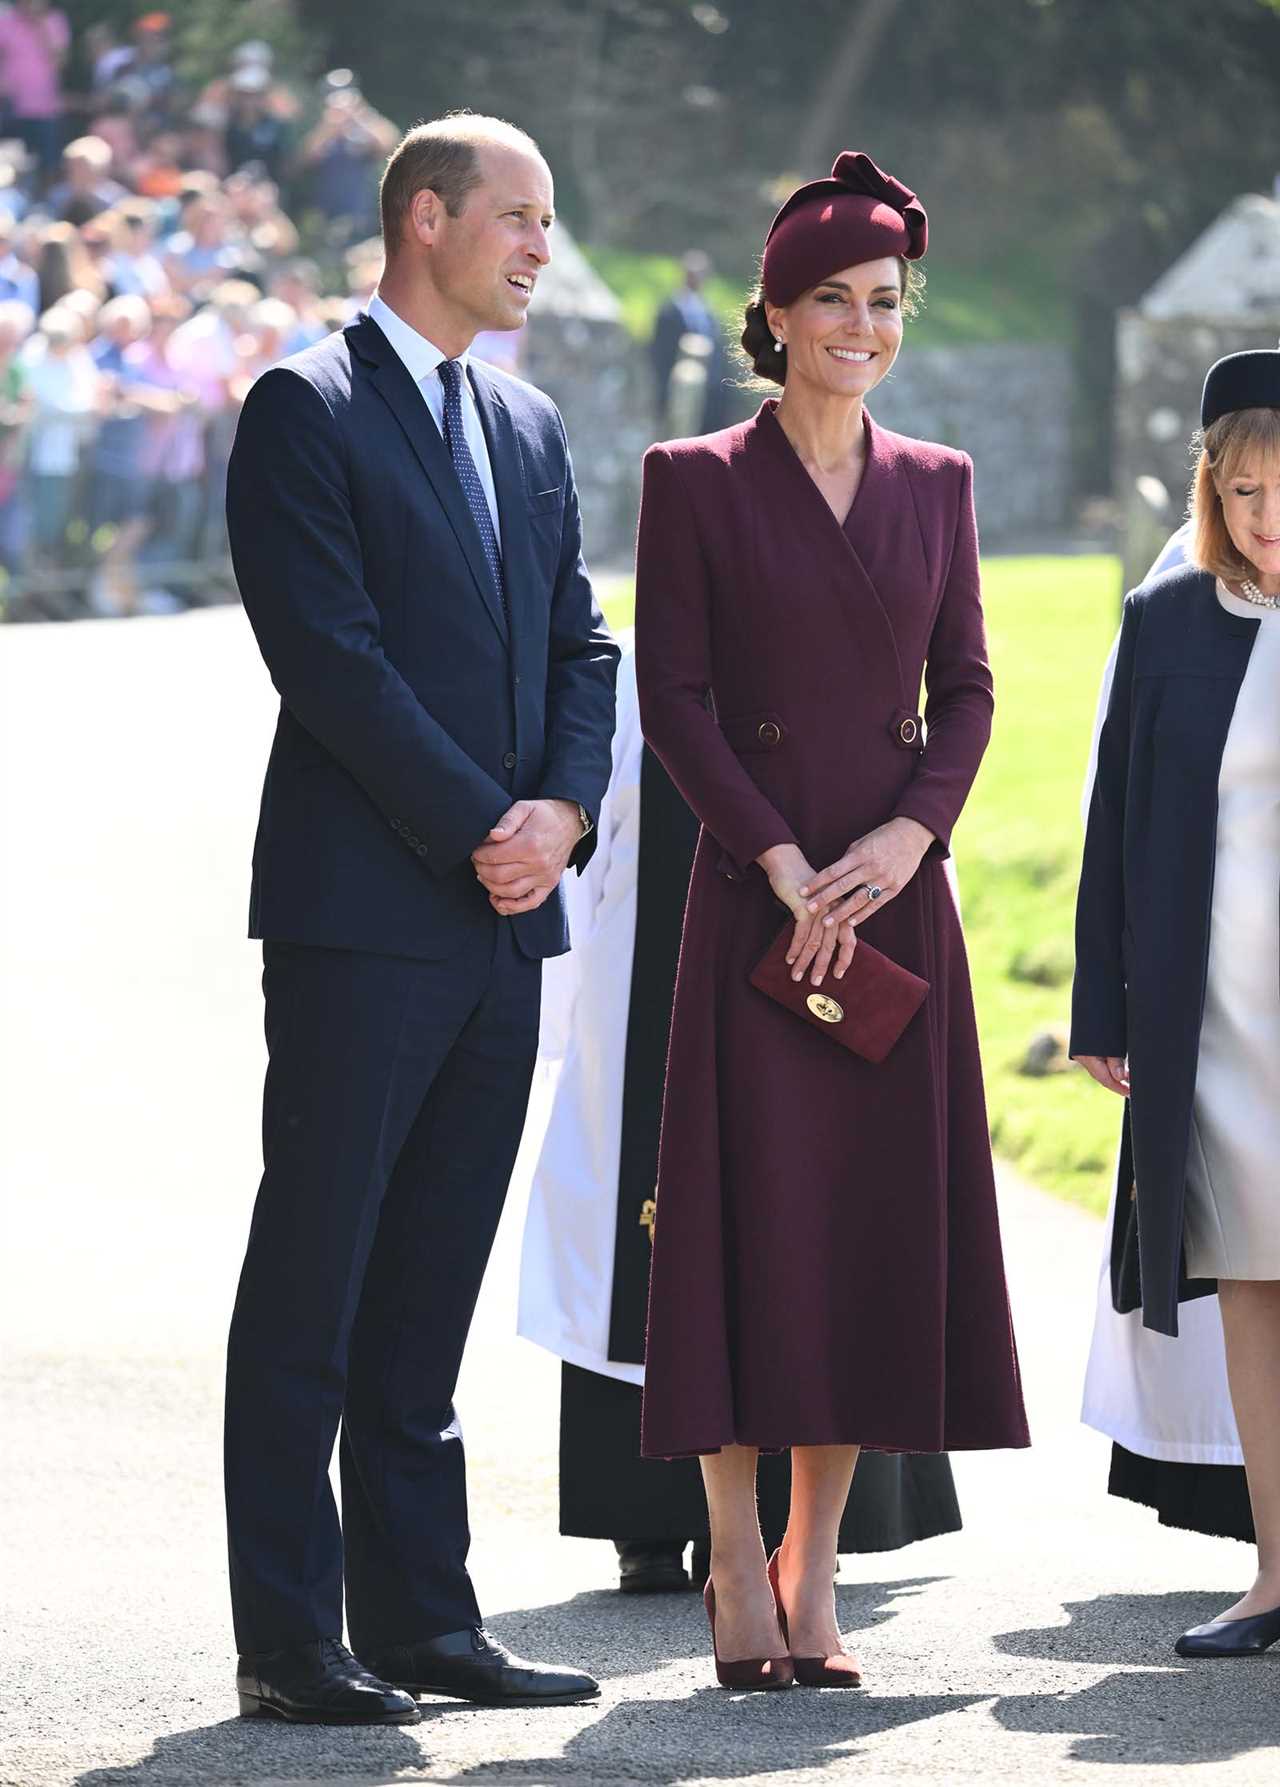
{"x":840,"y":1671}
{"x":751,"y":1672}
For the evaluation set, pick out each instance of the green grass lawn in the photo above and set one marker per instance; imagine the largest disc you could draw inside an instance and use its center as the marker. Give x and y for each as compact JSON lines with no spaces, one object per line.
{"x":1017,"y":849}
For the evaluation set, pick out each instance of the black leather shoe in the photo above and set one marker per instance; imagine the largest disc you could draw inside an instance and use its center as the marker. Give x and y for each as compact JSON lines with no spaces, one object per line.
{"x":472,"y":1665}
{"x":1231,"y":1637}
{"x":318,"y":1683}
{"x":646,"y":1567}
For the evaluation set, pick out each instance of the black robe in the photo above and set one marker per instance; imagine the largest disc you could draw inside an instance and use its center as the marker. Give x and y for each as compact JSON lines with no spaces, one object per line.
{"x":1143,"y":912}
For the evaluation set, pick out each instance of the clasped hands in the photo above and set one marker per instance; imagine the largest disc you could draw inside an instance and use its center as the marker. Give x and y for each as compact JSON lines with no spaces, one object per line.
{"x":524,"y":856}
{"x":829,"y":905}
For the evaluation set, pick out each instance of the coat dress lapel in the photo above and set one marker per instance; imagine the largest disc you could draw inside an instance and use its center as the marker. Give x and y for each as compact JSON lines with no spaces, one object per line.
{"x":858,"y":602}
{"x":393,"y":383}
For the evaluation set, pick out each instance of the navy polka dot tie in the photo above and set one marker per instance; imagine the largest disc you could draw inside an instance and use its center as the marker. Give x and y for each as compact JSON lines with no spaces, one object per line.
{"x":468,"y":476}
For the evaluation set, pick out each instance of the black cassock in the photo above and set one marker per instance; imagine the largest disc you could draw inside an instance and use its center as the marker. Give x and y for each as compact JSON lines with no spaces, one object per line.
{"x":607,"y":1491}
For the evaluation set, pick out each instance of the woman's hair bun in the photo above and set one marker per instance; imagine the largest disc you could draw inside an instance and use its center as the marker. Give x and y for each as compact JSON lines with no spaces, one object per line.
{"x":759,"y":343}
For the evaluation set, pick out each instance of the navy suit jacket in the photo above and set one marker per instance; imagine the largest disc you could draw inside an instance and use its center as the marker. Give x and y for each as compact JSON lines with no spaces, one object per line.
{"x":412,"y":713}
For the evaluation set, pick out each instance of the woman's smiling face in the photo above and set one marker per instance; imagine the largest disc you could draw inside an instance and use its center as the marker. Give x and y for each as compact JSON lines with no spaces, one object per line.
{"x":843,"y":335}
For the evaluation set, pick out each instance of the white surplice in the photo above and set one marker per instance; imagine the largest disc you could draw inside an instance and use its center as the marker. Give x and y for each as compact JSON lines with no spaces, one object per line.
{"x":566,"y":1267}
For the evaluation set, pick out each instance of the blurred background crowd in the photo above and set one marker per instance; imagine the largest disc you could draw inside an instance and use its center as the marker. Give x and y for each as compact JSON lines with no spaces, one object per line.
{"x":160,"y":245}
{"x":187,"y":196}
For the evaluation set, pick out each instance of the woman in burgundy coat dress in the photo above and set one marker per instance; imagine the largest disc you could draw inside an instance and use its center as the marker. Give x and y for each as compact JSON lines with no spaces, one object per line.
{"x":827,"y":1271}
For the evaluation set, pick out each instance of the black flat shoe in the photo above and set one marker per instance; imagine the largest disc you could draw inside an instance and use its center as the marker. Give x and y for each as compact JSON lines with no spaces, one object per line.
{"x":318,"y":1683}
{"x":1231,"y":1637}
{"x":472,"y":1665}
{"x":646,"y":1567}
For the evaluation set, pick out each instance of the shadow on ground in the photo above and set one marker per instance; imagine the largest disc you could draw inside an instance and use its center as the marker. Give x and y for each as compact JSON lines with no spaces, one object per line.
{"x":643,"y":1737}
{"x":1151,"y":1710}
{"x":1177,"y":1712}
{"x":616,"y":1635}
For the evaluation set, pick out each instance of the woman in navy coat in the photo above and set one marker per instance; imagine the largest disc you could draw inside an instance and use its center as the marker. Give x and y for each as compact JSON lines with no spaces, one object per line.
{"x":827,"y":1270}
{"x":1177,"y":991}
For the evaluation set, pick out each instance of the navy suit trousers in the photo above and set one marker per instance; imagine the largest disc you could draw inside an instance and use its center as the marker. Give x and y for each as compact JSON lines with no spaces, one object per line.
{"x":395,"y":1097}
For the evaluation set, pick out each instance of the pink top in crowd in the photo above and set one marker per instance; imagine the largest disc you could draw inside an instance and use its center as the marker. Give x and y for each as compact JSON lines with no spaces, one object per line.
{"x":30,"y":46}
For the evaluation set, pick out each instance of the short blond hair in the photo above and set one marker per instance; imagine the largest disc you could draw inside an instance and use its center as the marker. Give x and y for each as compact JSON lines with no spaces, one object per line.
{"x":441,"y":156}
{"x":1244,"y":437}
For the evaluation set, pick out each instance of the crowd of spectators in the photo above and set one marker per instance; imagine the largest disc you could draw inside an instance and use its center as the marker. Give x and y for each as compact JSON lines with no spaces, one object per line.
{"x":160,"y":246}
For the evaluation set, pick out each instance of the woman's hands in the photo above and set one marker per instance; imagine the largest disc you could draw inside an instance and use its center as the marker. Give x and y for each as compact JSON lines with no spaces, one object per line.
{"x":886,"y":858}
{"x":814,"y":945}
{"x":1111,"y":1071}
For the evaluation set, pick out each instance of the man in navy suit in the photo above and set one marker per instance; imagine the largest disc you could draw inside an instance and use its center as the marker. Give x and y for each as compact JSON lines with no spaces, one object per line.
{"x":407,"y":542}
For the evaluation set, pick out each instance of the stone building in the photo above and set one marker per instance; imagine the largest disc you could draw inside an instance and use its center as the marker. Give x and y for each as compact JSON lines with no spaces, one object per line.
{"x":1219,"y":297}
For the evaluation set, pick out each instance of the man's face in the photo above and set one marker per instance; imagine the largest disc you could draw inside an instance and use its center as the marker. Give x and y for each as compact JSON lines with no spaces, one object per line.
{"x":486,"y":260}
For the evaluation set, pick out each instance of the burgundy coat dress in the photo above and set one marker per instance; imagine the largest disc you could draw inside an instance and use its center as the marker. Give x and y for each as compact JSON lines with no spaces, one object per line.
{"x":827,"y":1266}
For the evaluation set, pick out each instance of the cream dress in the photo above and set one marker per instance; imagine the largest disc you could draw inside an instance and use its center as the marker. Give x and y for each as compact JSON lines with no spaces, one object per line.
{"x":1233,"y":1171}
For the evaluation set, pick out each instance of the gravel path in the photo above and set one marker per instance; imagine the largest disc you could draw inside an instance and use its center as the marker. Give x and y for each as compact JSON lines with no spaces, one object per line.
{"x":1033,"y":1647}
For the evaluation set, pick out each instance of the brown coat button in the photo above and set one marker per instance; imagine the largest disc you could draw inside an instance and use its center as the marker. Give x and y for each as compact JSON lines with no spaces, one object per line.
{"x":768,"y":733}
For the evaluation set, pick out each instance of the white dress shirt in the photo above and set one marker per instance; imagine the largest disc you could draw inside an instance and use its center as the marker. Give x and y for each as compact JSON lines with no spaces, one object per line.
{"x":422,"y":360}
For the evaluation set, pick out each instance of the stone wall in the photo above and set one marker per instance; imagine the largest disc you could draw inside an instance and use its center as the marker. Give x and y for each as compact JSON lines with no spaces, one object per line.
{"x":597,"y":377}
{"x":1160,"y":368}
{"x":576,"y":348}
{"x":1009,"y":406}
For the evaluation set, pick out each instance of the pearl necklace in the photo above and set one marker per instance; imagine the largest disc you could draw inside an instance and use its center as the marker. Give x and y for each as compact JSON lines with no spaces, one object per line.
{"x":1252,"y":593}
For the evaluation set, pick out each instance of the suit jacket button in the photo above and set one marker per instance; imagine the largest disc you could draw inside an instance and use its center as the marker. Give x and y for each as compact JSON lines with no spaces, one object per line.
{"x":509,"y":761}
{"x":421,"y":849}
{"x":768,"y":733}
{"x":908,"y":731}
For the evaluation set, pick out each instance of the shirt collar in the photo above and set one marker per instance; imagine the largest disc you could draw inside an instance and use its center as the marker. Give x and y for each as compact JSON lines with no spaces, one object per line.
{"x":421,"y":357}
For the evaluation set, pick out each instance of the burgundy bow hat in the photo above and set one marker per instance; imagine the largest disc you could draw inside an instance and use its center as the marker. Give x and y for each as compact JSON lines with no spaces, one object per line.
{"x":859,"y":214}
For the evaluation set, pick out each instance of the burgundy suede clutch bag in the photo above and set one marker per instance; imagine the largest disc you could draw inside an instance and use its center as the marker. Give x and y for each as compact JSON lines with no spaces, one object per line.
{"x":867,"y":1011}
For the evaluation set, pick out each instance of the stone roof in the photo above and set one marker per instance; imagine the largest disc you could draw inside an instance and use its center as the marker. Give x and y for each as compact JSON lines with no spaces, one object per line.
{"x":571,"y":287}
{"x":1231,"y":272}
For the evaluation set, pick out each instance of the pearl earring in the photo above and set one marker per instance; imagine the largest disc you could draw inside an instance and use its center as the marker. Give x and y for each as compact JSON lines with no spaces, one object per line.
{"x":778,"y":347}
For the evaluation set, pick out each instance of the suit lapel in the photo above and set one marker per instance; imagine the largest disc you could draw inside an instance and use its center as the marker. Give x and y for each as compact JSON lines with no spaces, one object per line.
{"x":510,"y":483}
{"x":391,"y":380}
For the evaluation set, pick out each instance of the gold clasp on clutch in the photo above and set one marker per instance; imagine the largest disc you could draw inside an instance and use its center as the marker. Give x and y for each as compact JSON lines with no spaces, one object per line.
{"x":648,"y":1216}
{"x":827,"y":1009}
